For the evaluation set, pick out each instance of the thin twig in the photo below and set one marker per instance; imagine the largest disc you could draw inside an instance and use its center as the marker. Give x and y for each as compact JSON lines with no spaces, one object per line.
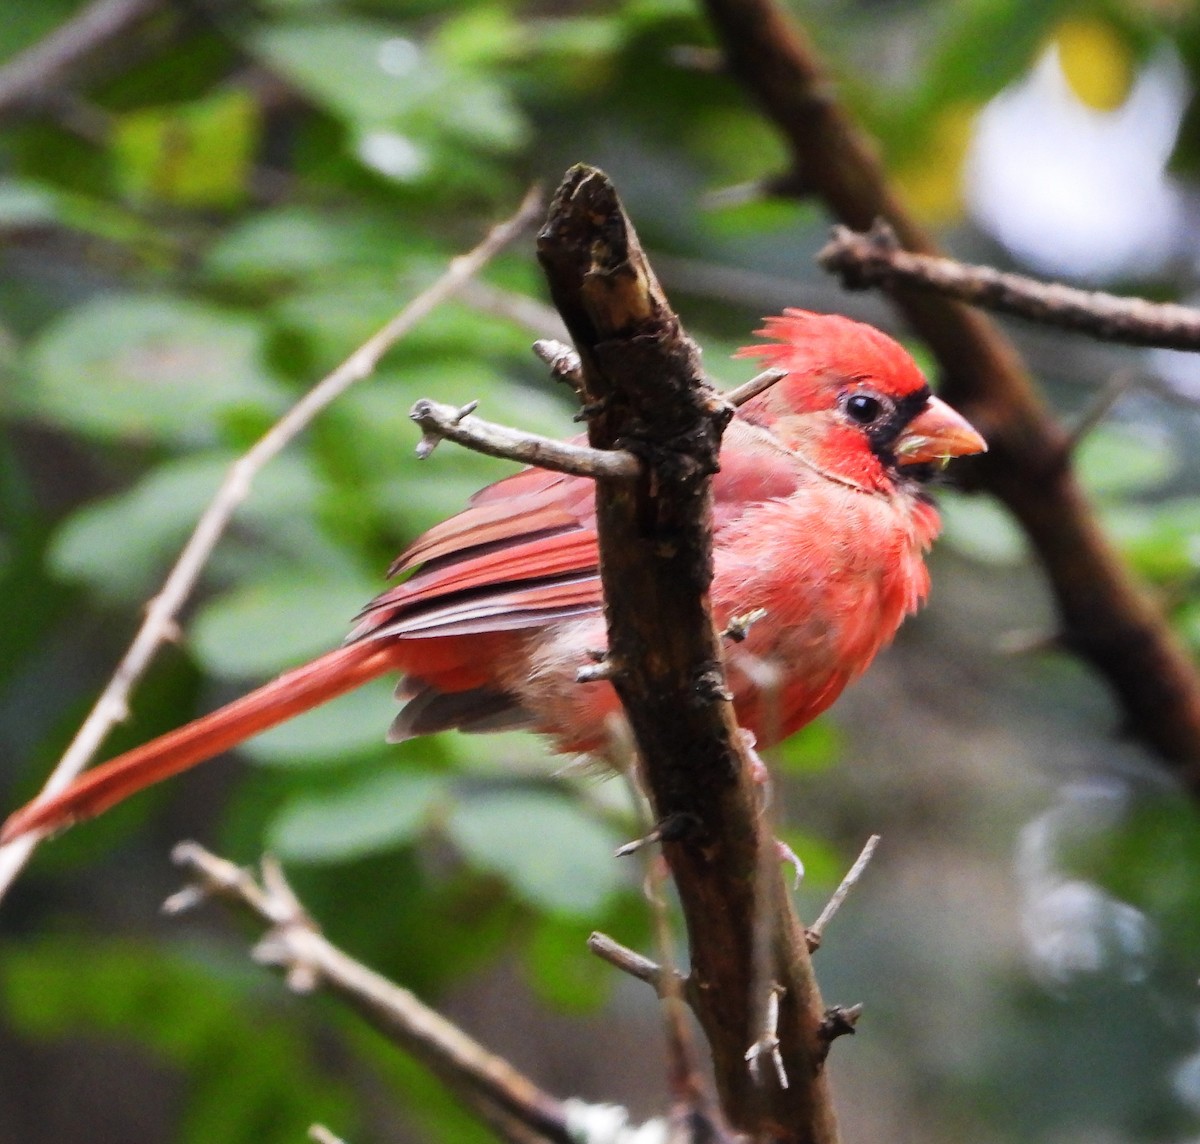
{"x":877,"y":259}
{"x":322,"y":1135}
{"x":561,"y":358}
{"x":488,"y":1083}
{"x":1117,"y":387}
{"x":759,"y":383}
{"x":565,"y":365}
{"x":539,"y":319}
{"x":767,"y":1044}
{"x":113,"y":705}
{"x":629,"y":961}
{"x":38,"y":70}
{"x":817,"y":930}
{"x":438,"y":421}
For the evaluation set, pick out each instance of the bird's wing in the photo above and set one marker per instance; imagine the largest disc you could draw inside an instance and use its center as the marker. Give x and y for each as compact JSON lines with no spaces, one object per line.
{"x":525,"y":552}
{"x":522,"y":555}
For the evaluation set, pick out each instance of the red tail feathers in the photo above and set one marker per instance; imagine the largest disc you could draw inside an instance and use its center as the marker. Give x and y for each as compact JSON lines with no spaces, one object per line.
{"x":295,"y":691}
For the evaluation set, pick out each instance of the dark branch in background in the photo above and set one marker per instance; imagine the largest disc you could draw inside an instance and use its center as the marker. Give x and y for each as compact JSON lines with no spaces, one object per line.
{"x":877,"y":259}
{"x":39,"y":72}
{"x":1106,"y":618}
{"x":641,"y":378}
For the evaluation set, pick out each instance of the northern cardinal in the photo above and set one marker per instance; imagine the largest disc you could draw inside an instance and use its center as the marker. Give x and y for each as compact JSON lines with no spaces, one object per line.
{"x":821,"y":521}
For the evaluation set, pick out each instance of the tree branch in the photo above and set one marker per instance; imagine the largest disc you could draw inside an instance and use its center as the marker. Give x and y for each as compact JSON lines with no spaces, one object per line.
{"x":641,"y":375}
{"x":877,"y":259}
{"x":445,"y":421}
{"x":160,"y":621}
{"x":39,"y":70}
{"x":488,"y":1084}
{"x":1106,"y":617}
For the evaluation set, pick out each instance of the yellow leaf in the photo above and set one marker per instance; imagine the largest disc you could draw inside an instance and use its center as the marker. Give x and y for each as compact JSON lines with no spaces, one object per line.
{"x":1095,"y":61}
{"x":931,"y":182}
{"x":192,"y":155}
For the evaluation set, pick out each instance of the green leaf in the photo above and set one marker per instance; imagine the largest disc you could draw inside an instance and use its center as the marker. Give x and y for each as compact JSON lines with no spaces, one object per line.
{"x":978,"y":527}
{"x":261,"y":628}
{"x":119,"y":544}
{"x":1159,"y":540}
{"x":550,"y":851}
{"x":400,"y":101}
{"x":1187,"y":621}
{"x":1150,"y":860}
{"x":297,"y":242}
{"x":253,"y":1074}
{"x":380,"y":813}
{"x":1120,"y":460}
{"x":348,"y":727}
{"x":562,"y":969}
{"x":480,"y":38}
{"x":813,"y":748}
{"x":146,"y":367}
{"x":358,"y":69}
{"x":197,"y":154}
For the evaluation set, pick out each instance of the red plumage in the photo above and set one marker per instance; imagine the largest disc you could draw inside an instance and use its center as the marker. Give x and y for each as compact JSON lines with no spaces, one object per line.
{"x":819,"y":520}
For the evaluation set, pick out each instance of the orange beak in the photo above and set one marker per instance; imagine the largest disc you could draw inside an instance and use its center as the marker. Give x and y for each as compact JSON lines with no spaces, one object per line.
{"x":937,"y":434}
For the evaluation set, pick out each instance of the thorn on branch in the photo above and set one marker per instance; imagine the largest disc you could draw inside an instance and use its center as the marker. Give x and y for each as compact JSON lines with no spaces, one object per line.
{"x":601,"y":669}
{"x":759,"y":383}
{"x":767,"y":1044}
{"x":839,"y":1021}
{"x":592,"y":409}
{"x":563,"y":361}
{"x":676,"y":827}
{"x":816,"y":931}
{"x":788,"y":855}
{"x":739,"y":627}
{"x":710,"y":686}
{"x":633,"y":847}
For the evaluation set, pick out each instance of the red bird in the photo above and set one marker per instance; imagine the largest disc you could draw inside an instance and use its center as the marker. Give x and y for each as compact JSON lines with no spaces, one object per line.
{"x":820,"y":520}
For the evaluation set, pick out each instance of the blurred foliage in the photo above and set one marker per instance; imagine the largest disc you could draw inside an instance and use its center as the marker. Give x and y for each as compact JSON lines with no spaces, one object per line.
{"x":220,"y":208}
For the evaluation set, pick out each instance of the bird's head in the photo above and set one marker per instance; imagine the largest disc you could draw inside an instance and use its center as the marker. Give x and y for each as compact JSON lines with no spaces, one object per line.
{"x":854,"y":403}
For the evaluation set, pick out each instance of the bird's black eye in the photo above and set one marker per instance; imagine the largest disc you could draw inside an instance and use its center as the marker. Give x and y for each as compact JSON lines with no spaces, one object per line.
{"x":864,"y":408}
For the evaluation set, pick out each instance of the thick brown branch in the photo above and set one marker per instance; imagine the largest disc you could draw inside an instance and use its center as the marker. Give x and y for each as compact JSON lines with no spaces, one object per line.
{"x":1106,"y":617}
{"x":877,"y":259}
{"x":641,"y":374}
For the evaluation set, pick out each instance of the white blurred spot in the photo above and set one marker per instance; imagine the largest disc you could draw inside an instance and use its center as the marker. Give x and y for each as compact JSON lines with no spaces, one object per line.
{"x":1179,"y":369}
{"x":393,"y":155}
{"x":1075,"y":191}
{"x":399,"y":57}
{"x":1073,"y":928}
{"x":1185,"y":1081}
